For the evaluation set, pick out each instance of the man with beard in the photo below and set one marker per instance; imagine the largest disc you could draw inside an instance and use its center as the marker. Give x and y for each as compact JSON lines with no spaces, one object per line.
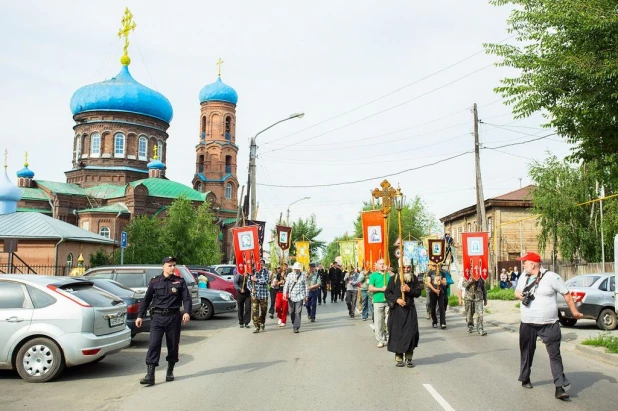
{"x":402,"y":320}
{"x":335,"y":276}
{"x":323,"y":284}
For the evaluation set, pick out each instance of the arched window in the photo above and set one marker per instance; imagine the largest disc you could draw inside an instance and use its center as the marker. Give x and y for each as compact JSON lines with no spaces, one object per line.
{"x":95,"y":145}
{"x":228,"y":164}
{"x":228,"y":128}
{"x":78,"y":148}
{"x":104,"y":231}
{"x":228,"y":191}
{"x":198,"y":187}
{"x":203,"y":127}
{"x":142,"y":148}
{"x":119,"y":145}
{"x":160,"y":150}
{"x":69,"y":260}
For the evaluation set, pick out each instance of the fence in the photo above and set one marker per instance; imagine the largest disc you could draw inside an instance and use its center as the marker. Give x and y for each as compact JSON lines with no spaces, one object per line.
{"x":59,"y":270}
{"x":567,"y":271}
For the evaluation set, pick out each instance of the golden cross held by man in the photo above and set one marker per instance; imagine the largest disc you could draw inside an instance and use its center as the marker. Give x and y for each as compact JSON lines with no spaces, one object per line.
{"x":387,"y":194}
{"x":127,"y":26}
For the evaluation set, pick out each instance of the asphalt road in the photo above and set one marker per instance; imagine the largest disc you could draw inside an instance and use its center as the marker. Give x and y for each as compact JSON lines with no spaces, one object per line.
{"x":332,"y":364}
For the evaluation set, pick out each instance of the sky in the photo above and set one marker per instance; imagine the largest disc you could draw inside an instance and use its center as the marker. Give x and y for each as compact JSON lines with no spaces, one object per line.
{"x":386,"y":86}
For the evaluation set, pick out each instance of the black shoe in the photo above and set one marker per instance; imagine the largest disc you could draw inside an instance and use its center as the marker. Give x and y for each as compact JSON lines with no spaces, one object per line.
{"x":409,"y":363}
{"x":242,"y":326}
{"x":169,"y":376}
{"x":527,"y":384}
{"x":313,"y":320}
{"x":247,"y":326}
{"x":257,"y":330}
{"x":434,"y":325}
{"x":399,"y":364}
{"x":295,"y":330}
{"x":561,"y":394}
{"x":149,"y":379}
{"x":272,"y":316}
{"x":263,"y":327}
{"x":352,"y":315}
{"x":443,"y":326}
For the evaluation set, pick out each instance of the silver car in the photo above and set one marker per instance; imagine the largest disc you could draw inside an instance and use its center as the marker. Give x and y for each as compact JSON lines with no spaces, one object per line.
{"x":593,"y":294}
{"x":214,"y":302}
{"x":47,"y":323}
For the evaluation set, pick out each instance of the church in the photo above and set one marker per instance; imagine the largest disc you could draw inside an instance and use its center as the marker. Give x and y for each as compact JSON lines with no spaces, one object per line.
{"x":119,"y":157}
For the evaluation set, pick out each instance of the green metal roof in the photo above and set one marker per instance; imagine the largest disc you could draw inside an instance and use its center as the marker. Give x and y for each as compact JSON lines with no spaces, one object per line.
{"x":39,"y":226}
{"x":159,"y":187}
{"x":32,"y":210}
{"x":62,"y":188}
{"x":112,"y":208}
{"x":106,"y":191}
{"x":227,"y":221}
{"x":33,"y":194}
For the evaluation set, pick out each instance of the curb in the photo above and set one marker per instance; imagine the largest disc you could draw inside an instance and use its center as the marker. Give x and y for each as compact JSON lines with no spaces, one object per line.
{"x":505,"y":326}
{"x":597,"y":353}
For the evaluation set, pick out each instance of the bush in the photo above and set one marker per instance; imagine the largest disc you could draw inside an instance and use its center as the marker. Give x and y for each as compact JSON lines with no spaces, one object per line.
{"x":424,"y":293}
{"x":604,"y":340}
{"x":453,"y":301}
{"x":496,"y":293}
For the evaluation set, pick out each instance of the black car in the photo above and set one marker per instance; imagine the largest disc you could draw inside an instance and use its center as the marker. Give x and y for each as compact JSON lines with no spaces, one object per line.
{"x":131,"y":298}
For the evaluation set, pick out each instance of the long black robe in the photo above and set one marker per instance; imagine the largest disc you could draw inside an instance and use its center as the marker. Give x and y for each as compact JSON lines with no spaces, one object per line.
{"x":402,"y":321}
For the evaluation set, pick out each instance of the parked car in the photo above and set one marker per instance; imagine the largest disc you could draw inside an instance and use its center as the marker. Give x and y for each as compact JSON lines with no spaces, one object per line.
{"x":137,"y":278}
{"x":48,"y":323}
{"x":213,"y":302}
{"x":216,"y":282}
{"x":593,"y":294}
{"x":225,"y":270}
{"x":131,"y":298}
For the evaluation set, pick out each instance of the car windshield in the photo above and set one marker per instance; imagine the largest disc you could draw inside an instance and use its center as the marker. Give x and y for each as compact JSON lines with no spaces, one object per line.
{"x":114,"y":288}
{"x":583,"y":281}
{"x":186,"y":274}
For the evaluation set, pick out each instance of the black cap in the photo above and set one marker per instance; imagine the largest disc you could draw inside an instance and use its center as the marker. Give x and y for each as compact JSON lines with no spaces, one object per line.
{"x":312,"y":265}
{"x":168,"y":259}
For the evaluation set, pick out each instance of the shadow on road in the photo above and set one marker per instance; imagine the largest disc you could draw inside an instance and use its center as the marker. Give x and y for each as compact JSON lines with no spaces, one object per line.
{"x":580,"y":381}
{"x":447,"y":357}
{"x":250,"y":367}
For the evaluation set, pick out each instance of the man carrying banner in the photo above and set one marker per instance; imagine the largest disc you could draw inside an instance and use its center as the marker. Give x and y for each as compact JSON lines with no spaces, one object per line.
{"x":244,"y":298}
{"x":313,"y":286}
{"x":295,"y":293}
{"x":259,"y":297}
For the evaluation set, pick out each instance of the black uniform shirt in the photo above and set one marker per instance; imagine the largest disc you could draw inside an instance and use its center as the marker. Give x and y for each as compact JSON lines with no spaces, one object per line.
{"x":164,"y":293}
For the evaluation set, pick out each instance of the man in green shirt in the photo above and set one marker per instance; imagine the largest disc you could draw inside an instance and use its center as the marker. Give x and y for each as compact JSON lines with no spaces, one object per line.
{"x":377,"y":285}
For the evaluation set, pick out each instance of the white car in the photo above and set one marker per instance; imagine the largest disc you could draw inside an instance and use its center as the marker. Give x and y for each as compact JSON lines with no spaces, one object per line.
{"x":48,"y":323}
{"x":225,"y":270}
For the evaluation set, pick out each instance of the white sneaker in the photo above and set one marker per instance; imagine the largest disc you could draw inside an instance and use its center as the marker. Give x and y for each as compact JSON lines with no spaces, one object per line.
{"x":380,"y":344}
{"x":282,"y":325}
{"x":279,"y":321}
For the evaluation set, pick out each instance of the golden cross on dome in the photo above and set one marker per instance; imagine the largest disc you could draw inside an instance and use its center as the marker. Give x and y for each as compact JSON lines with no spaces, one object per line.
{"x":26,"y":160}
{"x":219,"y":64}
{"x":128,"y":25}
{"x":154,"y":151}
{"x":6,"y":155}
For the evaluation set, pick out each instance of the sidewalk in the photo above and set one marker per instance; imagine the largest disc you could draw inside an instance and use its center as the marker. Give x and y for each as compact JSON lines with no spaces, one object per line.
{"x":505,"y":315}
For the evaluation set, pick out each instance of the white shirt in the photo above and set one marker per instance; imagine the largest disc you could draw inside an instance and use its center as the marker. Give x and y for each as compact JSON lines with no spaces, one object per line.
{"x":543,"y":309}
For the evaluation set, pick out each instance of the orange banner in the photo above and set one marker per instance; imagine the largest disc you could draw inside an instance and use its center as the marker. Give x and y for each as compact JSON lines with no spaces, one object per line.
{"x":246,"y":248}
{"x":475,"y":255}
{"x":373,"y":236}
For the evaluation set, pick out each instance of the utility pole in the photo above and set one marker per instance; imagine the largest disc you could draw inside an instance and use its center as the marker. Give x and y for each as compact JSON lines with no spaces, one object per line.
{"x":481,"y":221}
{"x":252,"y":185}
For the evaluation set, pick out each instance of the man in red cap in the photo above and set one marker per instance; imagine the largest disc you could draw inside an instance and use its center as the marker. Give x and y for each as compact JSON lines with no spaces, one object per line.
{"x":537,"y":290}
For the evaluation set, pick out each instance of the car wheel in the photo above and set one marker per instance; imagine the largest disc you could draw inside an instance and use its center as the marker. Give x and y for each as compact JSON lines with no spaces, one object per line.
{"x":39,"y":360}
{"x":607,"y":319}
{"x":568,"y":322}
{"x":205,"y":312}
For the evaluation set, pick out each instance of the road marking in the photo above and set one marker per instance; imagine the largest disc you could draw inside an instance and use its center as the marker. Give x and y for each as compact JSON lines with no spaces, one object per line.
{"x":438,"y":397}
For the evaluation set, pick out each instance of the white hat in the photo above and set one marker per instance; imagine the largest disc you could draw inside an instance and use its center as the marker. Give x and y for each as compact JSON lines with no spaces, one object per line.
{"x":297,"y":266}
{"x":407,"y":261}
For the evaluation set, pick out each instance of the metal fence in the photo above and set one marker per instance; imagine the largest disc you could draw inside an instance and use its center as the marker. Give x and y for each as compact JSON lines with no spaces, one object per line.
{"x":60,"y":270}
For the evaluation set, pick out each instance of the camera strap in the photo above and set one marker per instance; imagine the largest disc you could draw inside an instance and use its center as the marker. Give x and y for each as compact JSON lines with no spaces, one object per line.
{"x":532,"y":286}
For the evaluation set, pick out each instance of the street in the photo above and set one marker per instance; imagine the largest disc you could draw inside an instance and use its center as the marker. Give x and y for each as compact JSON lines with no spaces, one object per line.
{"x":333,"y":364}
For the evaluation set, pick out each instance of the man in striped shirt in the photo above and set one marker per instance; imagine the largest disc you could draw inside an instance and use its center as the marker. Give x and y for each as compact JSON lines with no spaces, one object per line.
{"x":295,"y":292}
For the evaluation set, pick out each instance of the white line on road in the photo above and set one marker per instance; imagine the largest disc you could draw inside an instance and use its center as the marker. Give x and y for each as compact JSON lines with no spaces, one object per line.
{"x":438,"y":397}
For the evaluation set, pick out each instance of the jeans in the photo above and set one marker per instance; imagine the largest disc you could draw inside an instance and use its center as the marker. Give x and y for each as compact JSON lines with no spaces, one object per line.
{"x":366,"y":304}
{"x":379,"y":321}
{"x":311,"y":304}
{"x":350,"y":300}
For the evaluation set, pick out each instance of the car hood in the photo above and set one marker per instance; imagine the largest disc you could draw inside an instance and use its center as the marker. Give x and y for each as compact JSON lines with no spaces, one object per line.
{"x":210,"y":294}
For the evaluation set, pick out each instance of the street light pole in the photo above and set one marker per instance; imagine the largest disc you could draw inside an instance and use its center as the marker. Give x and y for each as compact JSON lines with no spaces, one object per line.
{"x":251,"y":184}
{"x":288,"y":217}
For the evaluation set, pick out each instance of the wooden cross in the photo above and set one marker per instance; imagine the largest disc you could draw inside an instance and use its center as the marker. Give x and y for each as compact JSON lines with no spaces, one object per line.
{"x":387,"y":194}
{"x":219,"y":65}
{"x":128,"y":25}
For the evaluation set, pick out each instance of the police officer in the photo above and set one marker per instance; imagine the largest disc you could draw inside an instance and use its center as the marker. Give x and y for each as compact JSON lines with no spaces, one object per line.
{"x":167,"y":293}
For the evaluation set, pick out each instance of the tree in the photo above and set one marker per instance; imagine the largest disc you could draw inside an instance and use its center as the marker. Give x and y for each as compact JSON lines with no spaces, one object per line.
{"x":100,"y":257}
{"x":144,"y":241}
{"x":307,"y":230}
{"x":331,"y":250}
{"x":568,"y":63}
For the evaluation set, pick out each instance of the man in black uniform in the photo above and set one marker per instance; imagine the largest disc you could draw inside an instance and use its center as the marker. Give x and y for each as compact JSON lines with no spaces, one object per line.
{"x":167,"y":293}
{"x":335,"y":276}
{"x":323,"y":284}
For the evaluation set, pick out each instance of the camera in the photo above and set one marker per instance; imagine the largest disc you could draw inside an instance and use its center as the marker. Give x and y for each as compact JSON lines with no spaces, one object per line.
{"x":528,"y":297}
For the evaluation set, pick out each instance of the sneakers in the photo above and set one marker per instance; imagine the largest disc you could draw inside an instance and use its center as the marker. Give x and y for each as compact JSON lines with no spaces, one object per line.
{"x":242,"y":326}
{"x":409,"y":363}
{"x":482,"y":332}
{"x":470,"y":330}
{"x":263,"y":327}
{"x":561,"y":394}
{"x":313,"y":320}
{"x":257,"y":330}
{"x":380,"y":344}
{"x":272,"y":316}
{"x":282,"y":325}
{"x":399,"y":364}
{"x":364,"y":319}
{"x":279,"y":322}
{"x":247,"y":326}
{"x":434,"y":325}
{"x":296,"y":331}
{"x":527,"y":384}
{"x":443,"y":326}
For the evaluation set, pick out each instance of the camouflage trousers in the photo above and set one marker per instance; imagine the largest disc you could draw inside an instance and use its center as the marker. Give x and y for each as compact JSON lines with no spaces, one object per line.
{"x":259,"y":307}
{"x":472,"y":308}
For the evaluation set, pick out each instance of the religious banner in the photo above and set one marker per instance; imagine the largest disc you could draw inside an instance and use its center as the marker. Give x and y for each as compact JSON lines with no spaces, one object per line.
{"x":284,"y":237}
{"x":246,"y":248}
{"x":346,"y":250}
{"x":373,"y":236}
{"x":302,"y":253}
{"x":436,"y":250}
{"x":475,"y":255}
{"x":360,"y":252}
{"x":261,"y":225}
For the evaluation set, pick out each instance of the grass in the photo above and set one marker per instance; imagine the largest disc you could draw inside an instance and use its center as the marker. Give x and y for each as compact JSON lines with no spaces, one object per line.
{"x":424,"y":293}
{"x":604,"y":340}
{"x":453,"y":301}
{"x":496,"y":293}
{"x":517,"y":305}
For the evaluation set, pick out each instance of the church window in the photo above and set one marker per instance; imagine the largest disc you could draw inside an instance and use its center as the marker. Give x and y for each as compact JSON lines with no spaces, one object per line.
{"x":160,"y":150}
{"x":203,"y":127}
{"x":228,"y":128}
{"x":95,"y":145}
{"x":69,"y":260}
{"x":142,"y":148}
{"x":119,"y":145}
{"x":228,"y":164}
{"x":198,"y":187}
{"x":104,"y":231}
{"x":78,"y":147}
{"x":228,"y":191}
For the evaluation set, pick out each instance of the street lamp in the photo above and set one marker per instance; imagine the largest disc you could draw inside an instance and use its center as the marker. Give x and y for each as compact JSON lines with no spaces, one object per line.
{"x":252,"y":155}
{"x":288,"y":218}
{"x":400,"y":201}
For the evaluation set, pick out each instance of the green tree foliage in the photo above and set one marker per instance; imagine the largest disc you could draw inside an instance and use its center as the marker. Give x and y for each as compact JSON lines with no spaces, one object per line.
{"x":100,"y":257}
{"x":307,"y":230}
{"x":567,"y":59}
{"x":331,"y":250}
{"x":569,"y":220}
{"x":144,"y":244}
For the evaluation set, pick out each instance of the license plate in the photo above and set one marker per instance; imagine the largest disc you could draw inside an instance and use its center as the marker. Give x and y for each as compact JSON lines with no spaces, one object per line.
{"x":113,"y":322}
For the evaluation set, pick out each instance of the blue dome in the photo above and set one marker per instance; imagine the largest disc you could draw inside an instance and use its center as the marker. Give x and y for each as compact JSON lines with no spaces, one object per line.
{"x":156,"y":165}
{"x":10,"y":194}
{"x":218,"y":91}
{"x":25,"y":173}
{"x":122,"y":93}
